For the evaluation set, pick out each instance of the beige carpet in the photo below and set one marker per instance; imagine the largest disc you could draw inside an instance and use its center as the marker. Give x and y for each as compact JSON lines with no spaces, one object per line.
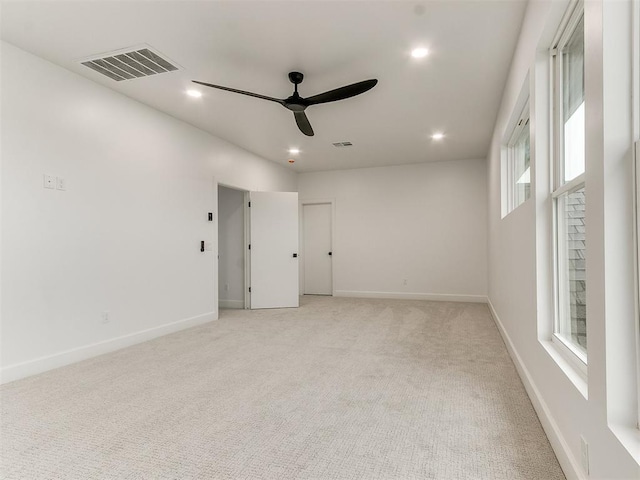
{"x":337,"y":389}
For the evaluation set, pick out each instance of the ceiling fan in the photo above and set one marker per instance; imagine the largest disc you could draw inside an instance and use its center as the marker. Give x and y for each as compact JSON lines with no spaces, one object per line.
{"x":298,"y":105}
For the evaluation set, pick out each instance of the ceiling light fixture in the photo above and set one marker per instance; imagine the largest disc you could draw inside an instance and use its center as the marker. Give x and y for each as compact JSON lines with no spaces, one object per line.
{"x":437,"y":136}
{"x":419,"y":52}
{"x":291,"y":160}
{"x":194,"y":93}
{"x":294,"y":151}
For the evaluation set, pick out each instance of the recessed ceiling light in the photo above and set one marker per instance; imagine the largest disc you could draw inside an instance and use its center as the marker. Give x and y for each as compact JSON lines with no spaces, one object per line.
{"x":294,"y":151}
{"x":419,"y":52}
{"x":437,"y":136}
{"x":194,"y":93}
{"x":291,"y":160}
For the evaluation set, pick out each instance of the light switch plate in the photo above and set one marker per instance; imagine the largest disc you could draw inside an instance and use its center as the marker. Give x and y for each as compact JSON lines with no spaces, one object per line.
{"x":49,"y":181}
{"x":61,"y":183}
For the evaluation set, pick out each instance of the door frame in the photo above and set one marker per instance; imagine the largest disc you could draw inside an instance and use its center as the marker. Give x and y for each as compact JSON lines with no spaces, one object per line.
{"x":246,"y":239}
{"x":317,"y":201}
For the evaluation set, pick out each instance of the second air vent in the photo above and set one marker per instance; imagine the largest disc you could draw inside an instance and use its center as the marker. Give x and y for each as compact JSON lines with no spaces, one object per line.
{"x":127,"y":65}
{"x":343,"y":144}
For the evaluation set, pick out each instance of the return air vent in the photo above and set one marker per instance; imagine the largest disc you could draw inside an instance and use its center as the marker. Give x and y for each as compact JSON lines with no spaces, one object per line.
{"x":129,"y":64}
{"x":343,"y":144}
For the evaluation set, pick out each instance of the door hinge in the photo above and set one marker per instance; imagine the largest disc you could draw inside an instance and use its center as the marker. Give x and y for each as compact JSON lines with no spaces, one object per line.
{"x":249,"y":204}
{"x":249,"y":246}
{"x":249,"y":289}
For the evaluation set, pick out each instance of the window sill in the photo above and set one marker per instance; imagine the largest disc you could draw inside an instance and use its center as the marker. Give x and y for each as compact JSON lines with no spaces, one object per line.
{"x":515,"y":208}
{"x":573,"y":373}
{"x":629,"y":438}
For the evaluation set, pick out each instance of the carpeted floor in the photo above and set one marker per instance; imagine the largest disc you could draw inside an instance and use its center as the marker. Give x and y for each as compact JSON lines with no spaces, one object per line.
{"x":337,"y":389}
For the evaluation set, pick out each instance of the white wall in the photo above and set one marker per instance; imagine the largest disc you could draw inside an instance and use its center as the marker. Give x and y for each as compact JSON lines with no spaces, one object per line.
{"x":230,"y":248}
{"x":419,"y":223}
{"x":125,"y":235}
{"x":603,"y":410}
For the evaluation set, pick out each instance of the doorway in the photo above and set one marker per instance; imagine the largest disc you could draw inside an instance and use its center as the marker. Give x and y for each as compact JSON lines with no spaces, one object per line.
{"x":231,"y":248}
{"x":317,"y":235}
{"x":265,"y":276}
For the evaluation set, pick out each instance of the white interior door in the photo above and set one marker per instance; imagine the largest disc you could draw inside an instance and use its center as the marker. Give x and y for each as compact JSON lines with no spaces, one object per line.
{"x":317,"y":249}
{"x":274,"y":249}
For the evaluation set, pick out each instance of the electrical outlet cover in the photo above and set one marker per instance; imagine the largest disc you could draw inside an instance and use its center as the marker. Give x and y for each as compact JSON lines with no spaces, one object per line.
{"x":61,"y":183}
{"x":49,"y":181}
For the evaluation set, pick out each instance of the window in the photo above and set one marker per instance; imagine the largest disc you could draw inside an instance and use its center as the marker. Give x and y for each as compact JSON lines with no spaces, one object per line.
{"x":519,"y":162}
{"x":570,"y":327}
{"x":636,"y":129}
{"x":637,"y":238}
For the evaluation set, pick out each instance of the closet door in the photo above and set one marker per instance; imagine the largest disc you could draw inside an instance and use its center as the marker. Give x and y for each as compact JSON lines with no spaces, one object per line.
{"x":274,"y":249}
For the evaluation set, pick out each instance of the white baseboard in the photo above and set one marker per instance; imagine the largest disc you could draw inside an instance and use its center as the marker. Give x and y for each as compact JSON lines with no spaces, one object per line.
{"x":440,"y":297}
{"x":569,"y":463}
{"x":231,"y":303}
{"x":50,"y":362}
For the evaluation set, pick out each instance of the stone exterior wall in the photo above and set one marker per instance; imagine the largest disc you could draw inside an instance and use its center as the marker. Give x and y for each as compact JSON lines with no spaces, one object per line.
{"x":575,"y":224}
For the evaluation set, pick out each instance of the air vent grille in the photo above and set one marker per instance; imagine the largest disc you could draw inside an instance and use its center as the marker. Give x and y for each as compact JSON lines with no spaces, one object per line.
{"x":343,"y":144}
{"x":130,"y":64}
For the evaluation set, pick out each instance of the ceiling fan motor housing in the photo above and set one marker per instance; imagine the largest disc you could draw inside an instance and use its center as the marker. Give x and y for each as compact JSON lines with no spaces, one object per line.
{"x":295,"y":103}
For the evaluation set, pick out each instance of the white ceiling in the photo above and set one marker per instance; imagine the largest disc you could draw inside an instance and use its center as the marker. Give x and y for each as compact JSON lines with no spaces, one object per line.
{"x":253,"y":45}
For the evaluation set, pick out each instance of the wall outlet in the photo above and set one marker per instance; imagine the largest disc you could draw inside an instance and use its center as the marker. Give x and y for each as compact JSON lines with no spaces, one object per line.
{"x":61,"y":183}
{"x":105,"y":317}
{"x":49,"y":181}
{"x":584,"y":454}
{"x":404,"y":282}
{"x":226,"y":287}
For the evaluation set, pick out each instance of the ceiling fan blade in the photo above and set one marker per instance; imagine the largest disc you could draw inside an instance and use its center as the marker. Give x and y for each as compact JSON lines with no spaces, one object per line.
{"x":251,"y":94}
{"x":303,"y":123}
{"x":342,"y":92}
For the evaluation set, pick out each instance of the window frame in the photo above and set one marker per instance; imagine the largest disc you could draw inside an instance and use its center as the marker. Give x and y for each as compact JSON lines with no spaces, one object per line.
{"x":523,"y":121}
{"x":635,"y":94}
{"x":559,"y":187}
{"x":636,"y":230}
